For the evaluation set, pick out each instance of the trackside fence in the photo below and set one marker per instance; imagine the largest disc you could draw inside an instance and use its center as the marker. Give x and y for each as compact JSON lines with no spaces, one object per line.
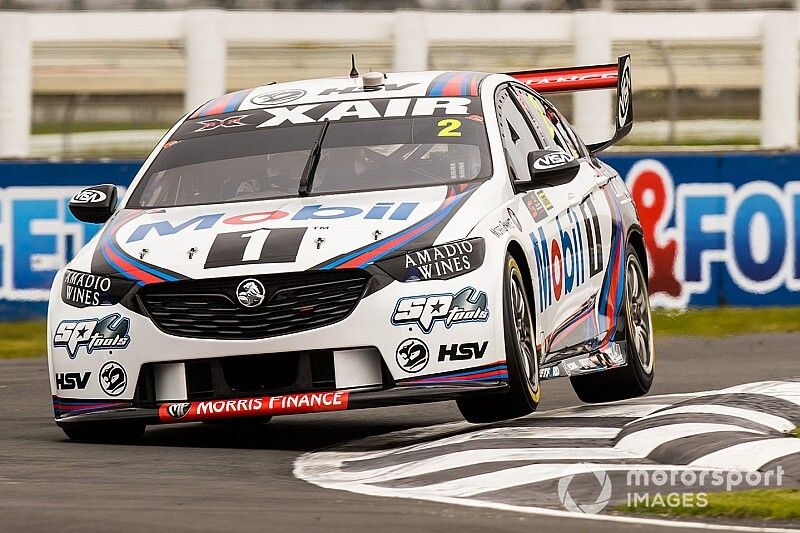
{"x":205,"y":36}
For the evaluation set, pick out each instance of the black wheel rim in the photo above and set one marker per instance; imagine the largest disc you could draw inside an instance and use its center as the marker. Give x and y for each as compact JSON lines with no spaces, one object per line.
{"x":523,"y":330}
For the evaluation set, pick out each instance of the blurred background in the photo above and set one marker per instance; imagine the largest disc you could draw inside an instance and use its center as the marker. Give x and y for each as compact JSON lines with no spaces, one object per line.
{"x":88,"y":87}
{"x":112,"y":90}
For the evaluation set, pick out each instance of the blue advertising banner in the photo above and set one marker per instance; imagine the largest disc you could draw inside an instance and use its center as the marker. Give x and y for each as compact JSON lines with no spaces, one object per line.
{"x":721,"y":228}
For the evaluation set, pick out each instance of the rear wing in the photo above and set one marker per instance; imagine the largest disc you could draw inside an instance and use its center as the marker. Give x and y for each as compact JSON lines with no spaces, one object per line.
{"x":588,"y":78}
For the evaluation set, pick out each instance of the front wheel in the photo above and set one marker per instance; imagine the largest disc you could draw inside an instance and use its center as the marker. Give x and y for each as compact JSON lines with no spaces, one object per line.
{"x":635,"y":378}
{"x":521,"y":357}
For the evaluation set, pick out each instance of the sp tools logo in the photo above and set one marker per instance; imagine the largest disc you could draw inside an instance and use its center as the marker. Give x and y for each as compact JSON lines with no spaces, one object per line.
{"x":110,"y":333}
{"x":468,"y":305}
{"x":228,"y":122}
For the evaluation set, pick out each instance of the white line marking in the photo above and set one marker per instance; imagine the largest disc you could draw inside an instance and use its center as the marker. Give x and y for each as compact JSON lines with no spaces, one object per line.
{"x":643,"y":442}
{"x":775,"y":422}
{"x":749,"y":456}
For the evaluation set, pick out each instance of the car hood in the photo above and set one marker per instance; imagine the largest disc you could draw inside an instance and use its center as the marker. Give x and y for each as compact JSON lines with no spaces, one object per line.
{"x":281,"y":235}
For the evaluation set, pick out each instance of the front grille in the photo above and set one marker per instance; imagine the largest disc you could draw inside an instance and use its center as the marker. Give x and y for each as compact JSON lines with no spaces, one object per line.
{"x":209,"y":309}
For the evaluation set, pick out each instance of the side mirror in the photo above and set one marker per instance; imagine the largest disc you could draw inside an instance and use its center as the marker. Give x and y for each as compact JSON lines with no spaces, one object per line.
{"x":549,"y":167}
{"x":95,"y":204}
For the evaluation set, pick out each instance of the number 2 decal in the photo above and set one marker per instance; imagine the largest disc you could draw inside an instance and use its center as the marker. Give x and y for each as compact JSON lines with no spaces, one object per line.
{"x":264,"y":245}
{"x":449,"y":127}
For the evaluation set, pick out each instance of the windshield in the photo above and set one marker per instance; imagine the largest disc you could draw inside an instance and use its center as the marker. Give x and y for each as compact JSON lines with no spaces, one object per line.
{"x":258,"y":154}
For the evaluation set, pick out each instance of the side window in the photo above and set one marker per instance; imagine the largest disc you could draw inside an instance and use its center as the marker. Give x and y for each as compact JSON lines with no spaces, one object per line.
{"x":556,"y":127}
{"x":518,"y":138}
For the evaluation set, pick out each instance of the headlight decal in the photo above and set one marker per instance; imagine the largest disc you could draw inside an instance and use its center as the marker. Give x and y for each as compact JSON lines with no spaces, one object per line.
{"x":81,"y":289}
{"x":442,"y":261}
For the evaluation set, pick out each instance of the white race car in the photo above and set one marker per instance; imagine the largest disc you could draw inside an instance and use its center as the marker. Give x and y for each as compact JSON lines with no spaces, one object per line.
{"x":356,"y":242}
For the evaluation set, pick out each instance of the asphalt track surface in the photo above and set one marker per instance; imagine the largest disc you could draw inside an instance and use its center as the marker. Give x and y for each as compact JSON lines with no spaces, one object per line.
{"x":195,"y":477}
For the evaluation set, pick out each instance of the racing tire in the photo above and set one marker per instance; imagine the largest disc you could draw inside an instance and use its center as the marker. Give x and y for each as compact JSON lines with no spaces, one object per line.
{"x":104,"y":432}
{"x":522,"y":358}
{"x":635,"y":324}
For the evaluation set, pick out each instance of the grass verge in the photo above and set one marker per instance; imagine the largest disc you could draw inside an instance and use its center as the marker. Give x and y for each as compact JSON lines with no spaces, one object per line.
{"x":23,"y":339}
{"x":772,"y":504}
{"x":724,"y":321}
{"x":27,"y":339}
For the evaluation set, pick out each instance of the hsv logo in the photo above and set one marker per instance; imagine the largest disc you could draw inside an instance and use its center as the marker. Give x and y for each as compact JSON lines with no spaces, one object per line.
{"x":412,"y":355}
{"x":469,"y":305}
{"x":113,"y":378}
{"x":109,"y":333}
{"x":89,"y":196}
{"x":561,"y":262}
{"x":379,"y":211}
{"x":551,"y":160}
{"x":463,"y":351}
{"x":310,"y":402}
{"x":72,"y":380}
{"x":214,"y":123}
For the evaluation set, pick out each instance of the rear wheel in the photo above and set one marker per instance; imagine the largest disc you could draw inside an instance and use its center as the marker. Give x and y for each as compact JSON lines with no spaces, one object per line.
{"x":635,"y":378}
{"x":521,"y":357}
{"x":104,"y":432}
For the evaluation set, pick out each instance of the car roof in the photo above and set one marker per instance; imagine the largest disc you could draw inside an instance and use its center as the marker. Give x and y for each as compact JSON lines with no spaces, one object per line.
{"x":396,"y":85}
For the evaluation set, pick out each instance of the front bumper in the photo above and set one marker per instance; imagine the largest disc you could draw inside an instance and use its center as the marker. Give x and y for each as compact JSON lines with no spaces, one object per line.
{"x":95,"y":411}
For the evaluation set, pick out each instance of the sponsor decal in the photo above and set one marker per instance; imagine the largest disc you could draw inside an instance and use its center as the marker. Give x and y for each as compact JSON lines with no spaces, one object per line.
{"x":502,"y":227}
{"x":550,"y":372}
{"x":178,"y":410}
{"x":72,"y":380}
{"x":113,"y":379}
{"x":624,"y":98}
{"x":380,"y":211}
{"x":710,"y":243}
{"x":535,"y":206}
{"x":412,"y":355}
{"x":227,"y":122}
{"x":462,"y":351}
{"x":443,"y":261}
{"x":574,"y":255}
{"x":80,"y":289}
{"x":389,"y":87}
{"x":107,"y":333}
{"x":551,"y":160}
{"x":251,"y":293}
{"x":545,"y":200}
{"x":277,"y":97}
{"x":310,"y":402}
{"x":468,"y":305}
{"x":89,"y":196}
{"x":366,"y":109}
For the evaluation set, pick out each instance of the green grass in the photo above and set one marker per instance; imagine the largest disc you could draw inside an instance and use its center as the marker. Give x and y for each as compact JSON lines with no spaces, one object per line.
{"x":23,"y":339}
{"x":724,"y":321}
{"x":773,"y":504}
{"x":794,"y":433}
{"x":27,"y":339}
{"x":83,"y":127}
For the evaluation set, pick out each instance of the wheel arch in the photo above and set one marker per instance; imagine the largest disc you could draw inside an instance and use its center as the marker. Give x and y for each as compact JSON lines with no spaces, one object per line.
{"x":516,"y":251}
{"x":636,"y":238}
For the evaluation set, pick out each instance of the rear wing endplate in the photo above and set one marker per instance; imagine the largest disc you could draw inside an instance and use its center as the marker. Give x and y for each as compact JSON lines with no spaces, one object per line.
{"x":587,"y":78}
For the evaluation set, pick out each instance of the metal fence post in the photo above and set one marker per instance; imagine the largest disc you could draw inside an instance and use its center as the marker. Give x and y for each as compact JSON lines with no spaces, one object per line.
{"x":410,"y":42}
{"x":16,"y":91}
{"x":780,"y":82}
{"x":205,"y":56}
{"x":591,"y":34}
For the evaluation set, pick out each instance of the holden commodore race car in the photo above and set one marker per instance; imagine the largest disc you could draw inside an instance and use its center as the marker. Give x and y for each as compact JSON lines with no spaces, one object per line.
{"x":356,"y":242}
